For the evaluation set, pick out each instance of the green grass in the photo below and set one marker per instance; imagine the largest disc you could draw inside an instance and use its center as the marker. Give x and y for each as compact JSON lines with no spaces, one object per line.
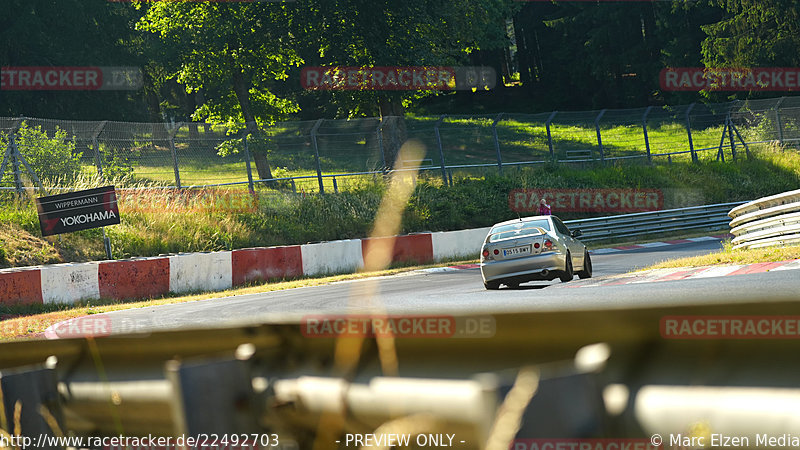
{"x":730,"y":256}
{"x":163,"y":222}
{"x":464,"y":141}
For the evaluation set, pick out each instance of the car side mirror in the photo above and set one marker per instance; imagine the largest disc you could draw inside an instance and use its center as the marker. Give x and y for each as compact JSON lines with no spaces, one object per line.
{"x":576,"y":233}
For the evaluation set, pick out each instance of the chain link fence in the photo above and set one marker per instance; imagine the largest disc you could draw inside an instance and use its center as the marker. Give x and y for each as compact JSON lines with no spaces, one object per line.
{"x":329,"y":155}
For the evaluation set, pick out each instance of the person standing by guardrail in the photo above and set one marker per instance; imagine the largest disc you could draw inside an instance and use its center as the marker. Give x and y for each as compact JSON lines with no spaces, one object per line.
{"x":544,"y":208}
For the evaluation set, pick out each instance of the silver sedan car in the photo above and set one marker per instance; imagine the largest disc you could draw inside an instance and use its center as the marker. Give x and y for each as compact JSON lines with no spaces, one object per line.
{"x":532,"y":248}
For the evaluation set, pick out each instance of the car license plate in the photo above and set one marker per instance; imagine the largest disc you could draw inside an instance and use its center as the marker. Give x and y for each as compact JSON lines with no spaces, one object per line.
{"x":517,"y":251}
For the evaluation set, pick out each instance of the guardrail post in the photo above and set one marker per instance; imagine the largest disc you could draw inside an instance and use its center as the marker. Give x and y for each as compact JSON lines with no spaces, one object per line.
{"x":644,"y":130}
{"x":335,"y":186}
{"x":247,"y":163}
{"x":550,"y":136}
{"x":599,"y":138}
{"x":32,"y":389}
{"x":230,"y":407}
{"x":175,"y":155}
{"x":379,"y":133}
{"x":441,"y":150}
{"x":316,"y":154}
{"x":689,"y":132}
{"x":96,"y":144}
{"x":497,"y":143}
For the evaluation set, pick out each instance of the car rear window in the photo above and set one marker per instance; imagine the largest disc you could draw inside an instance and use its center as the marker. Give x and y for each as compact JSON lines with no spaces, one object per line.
{"x":518,"y":229}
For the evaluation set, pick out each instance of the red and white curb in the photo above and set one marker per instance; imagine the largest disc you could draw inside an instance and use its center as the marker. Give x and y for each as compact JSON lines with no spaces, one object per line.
{"x":685,"y":273}
{"x":142,"y":278}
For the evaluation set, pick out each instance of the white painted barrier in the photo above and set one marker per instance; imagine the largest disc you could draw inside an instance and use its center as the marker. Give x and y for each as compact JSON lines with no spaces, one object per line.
{"x":332,"y":257}
{"x":69,"y":283}
{"x":200,"y":272}
{"x":458,"y":244}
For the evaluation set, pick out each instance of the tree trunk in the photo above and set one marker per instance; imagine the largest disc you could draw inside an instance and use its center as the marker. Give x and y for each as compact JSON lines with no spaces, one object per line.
{"x":157,"y":127}
{"x":190,"y":106}
{"x":242,"y":89}
{"x":523,"y":52}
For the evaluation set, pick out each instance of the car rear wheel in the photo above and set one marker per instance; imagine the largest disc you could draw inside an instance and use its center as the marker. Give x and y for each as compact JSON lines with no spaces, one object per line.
{"x":587,"y":267}
{"x":491,"y":285}
{"x":567,"y":275}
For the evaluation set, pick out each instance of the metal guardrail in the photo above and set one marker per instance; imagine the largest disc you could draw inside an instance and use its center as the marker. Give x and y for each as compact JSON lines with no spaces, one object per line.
{"x":273,"y":378}
{"x":712,"y":217}
{"x":766,"y":222}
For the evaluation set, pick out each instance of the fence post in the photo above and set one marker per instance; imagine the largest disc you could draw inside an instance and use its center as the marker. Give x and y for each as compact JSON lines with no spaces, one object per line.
{"x":550,"y":136}
{"x":778,"y":120}
{"x":599,"y":138}
{"x":15,"y":163}
{"x":175,"y":155}
{"x":441,"y":150}
{"x":730,"y":136}
{"x":380,"y":145}
{"x":497,"y":143}
{"x":316,"y":154}
{"x":744,"y":143}
{"x":6,"y":160}
{"x":721,"y":152}
{"x":689,"y":132}
{"x":247,"y":163}
{"x":644,"y":130}
{"x":97,"y":159}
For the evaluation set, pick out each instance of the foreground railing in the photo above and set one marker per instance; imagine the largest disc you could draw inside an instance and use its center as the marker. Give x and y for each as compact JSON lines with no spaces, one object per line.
{"x":546,"y":375}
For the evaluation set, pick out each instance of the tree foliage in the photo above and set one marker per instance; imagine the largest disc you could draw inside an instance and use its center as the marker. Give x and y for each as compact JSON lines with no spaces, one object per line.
{"x":236,"y":62}
{"x":52,"y":158}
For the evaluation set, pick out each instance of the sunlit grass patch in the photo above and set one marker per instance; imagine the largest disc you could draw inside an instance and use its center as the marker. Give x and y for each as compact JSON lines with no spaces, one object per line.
{"x":730,"y":256}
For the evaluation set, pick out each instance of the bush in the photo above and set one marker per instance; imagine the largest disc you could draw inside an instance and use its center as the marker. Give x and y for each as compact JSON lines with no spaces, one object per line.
{"x":53,"y":159}
{"x":117,"y":163}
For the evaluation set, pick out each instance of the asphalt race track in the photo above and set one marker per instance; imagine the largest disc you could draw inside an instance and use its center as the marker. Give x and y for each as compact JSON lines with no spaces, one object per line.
{"x":461,"y":291}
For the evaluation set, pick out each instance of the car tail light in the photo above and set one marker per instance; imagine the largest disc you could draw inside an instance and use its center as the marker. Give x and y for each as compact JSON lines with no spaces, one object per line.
{"x":496,"y":251}
{"x":485,"y":253}
{"x":548,"y":244}
{"x":536,"y":245}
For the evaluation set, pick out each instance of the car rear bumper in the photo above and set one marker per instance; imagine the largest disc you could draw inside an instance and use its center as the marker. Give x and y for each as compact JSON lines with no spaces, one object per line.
{"x":531,"y":267}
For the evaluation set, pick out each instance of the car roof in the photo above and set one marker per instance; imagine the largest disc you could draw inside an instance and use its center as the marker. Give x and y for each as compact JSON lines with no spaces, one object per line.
{"x":522,"y":219}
